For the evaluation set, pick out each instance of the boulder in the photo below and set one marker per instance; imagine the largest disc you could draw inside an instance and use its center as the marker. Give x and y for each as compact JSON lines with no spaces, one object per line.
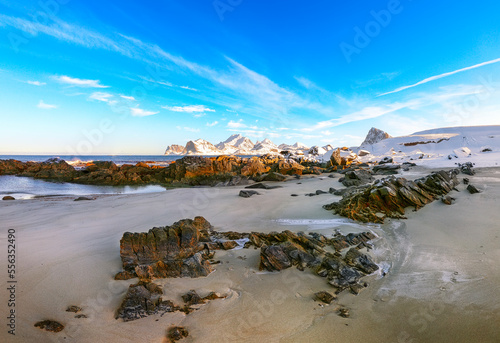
{"x":260,"y":185}
{"x":357,"y":178}
{"x":272,"y":176}
{"x":447,"y":200}
{"x":386,"y":169}
{"x":274,"y":258}
{"x":362,"y":153}
{"x":170,"y":251}
{"x":385,"y":160}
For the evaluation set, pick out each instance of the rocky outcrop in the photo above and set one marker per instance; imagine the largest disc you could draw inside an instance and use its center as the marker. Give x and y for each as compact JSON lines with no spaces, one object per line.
{"x":286,"y":249}
{"x":170,"y":251}
{"x":357,"y":178}
{"x":390,"y":196}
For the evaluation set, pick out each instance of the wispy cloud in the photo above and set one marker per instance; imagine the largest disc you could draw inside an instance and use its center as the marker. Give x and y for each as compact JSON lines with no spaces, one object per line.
{"x":131,"y":98}
{"x":79,"y":82}
{"x":36,"y":83}
{"x":212,"y":124}
{"x":189,"y":108}
{"x":45,"y":106}
{"x":440,"y":76}
{"x":139,"y":112}
{"x":189,"y":129}
{"x":101,"y":96}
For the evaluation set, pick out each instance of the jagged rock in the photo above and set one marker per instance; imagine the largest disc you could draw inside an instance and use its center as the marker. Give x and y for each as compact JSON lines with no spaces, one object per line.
{"x":177,"y":333}
{"x":357,"y":178}
{"x":386,"y":169}
{"x":466,"y":181}
{"x":141,"y":300}
{"x":124,"y":275}
{"x":335,"y":159}
{"x":344,"y":312}
{"x":374,"y":136}
{"x":192,"y":298}
{"x":473,"y":189}
{"x":448,"y":200}
{"x":390,"y":196}
{"x":248,"y":194}
{"x":274,"y":258}
{"x":50,"y":325}
{"x":228,"y":245}
{"x":361,"y":261}
{"x":324,"y":296}
{"x":254,"y":167}
{"x":170,"y":251}
{"x":289,"y":167}
{"x":467,"y":168}
{"x":8,"y":197}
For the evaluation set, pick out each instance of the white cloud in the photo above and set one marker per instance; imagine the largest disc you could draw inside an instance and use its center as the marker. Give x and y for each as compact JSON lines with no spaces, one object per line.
{"x":139,"y":112}
{"x":36,"y":83}
{"x":101,"y":96}
{"x":189,"y":108}
{"x":189,"y":88}
{"x":131,"y":98}
{"x":236,"y":124}
{"x":437,"y":77}
{"x":79,"y":82}
{"x":212,"y":124}
{"x":45,"y":106}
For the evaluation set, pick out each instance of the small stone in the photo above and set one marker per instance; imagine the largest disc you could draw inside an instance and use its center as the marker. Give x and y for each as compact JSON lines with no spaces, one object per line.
{"x":50,"y":325}
{"x":472,"y":189}
{"x":74,"y":309}
{"x":192,"y":298}
{"x":81,"y":316}
{"x":8,"y":197}
{"x":82,"y":199}
{"x":294,"y":195}
{"x":344,"y":312}
{"x":248,"y":194}
{"x":177,"y":333}
{"x":448,"y":200}
{"x":324,"y":296}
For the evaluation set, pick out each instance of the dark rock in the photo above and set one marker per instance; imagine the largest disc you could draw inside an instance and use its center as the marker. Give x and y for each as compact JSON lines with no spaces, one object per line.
{"x":386,"y":159}
{"x":318,"y":192}
{"x":294,"y":195}
{"x":124,"y":275}
{"x":331,"y":176}
{"x":80,"y":316}
{"x":50,"y":325}
{"x":261,"y":186}
{"x":344,"y":312}
{"x":486,"y":150}
{"x":74,"y":309}
{"x":177,"y":333}
{"x":466,"y":181}
{"x":448,"y":200}
{"x":390,"y":196}
{"x":274,"y":258}
{"x":8,"y":197}
{"x":192,"y":298}
{"x":386,"y":169}
{"x":473,"y":189}
{"x":357,"y":178}
{"x":82,"y":198}
{"x":356,"y":288}
{"x":325,"y":297}
{"x":141,"y":300}
{"x":467,"y":168}
{"x":361,"y":261}
{"x":170,"y":251}
{"x":248,"y":194}
{"x":272,"y":176}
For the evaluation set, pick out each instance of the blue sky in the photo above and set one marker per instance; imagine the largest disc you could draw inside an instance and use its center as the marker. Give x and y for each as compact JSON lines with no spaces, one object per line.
{"x":123,"y":77}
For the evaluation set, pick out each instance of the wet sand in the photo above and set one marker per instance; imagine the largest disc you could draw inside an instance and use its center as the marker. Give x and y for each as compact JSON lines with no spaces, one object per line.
{"x":441,"y":286}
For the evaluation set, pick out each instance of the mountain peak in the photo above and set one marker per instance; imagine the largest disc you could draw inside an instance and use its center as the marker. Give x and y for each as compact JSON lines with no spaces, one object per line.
{"x":374,"y":136}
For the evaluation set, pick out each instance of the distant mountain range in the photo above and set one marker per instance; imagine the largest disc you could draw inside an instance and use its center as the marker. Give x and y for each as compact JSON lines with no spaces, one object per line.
{"x":240,"y":145}
{"x":234,"y":145}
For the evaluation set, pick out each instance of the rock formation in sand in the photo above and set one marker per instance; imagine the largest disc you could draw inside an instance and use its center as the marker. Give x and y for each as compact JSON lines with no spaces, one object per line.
{"x":390,"y":196}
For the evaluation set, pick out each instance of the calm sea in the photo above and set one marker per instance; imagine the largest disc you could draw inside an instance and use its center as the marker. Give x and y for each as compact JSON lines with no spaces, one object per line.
{"x":27,"y":188}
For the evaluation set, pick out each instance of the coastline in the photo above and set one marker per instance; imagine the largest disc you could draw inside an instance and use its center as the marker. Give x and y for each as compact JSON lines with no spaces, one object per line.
{"x":69,"y":257}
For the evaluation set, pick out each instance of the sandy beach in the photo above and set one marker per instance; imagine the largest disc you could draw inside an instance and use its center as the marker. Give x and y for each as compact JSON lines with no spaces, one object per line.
{"x":441,"y":285}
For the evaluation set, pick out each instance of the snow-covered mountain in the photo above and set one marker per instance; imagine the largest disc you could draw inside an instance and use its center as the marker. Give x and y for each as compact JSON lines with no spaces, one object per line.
{"x":200,"y":147}
{"x":442,"y":146}
{"x":234,"y":145}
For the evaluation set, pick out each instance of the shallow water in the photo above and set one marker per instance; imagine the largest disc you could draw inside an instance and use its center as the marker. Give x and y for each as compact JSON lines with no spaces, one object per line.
{"x":28,"y":188}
